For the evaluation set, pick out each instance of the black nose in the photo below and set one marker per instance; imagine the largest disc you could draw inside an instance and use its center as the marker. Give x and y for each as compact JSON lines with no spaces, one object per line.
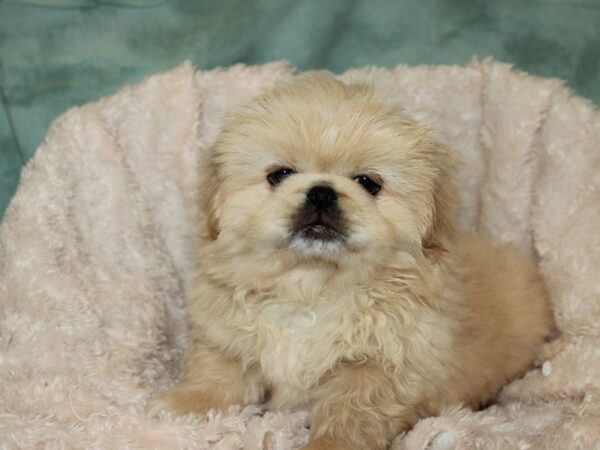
{"x":321,"y":197}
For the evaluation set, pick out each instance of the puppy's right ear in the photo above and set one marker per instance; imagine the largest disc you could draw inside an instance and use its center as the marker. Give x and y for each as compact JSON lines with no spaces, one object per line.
{"x":212,"y":198}
{"x":445,"y":197}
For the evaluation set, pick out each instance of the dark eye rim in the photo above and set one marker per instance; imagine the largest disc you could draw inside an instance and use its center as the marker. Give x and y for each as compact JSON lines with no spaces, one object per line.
{"x":369,"y":183}
{"x":277,"y":175}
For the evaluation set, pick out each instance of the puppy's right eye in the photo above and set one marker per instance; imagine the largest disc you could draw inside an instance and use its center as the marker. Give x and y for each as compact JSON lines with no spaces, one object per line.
{"x":278,"y":175}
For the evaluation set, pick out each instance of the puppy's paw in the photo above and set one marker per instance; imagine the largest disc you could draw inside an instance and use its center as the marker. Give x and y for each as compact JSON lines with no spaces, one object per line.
{"x":182,"y":401}
{"x":163,"y":402}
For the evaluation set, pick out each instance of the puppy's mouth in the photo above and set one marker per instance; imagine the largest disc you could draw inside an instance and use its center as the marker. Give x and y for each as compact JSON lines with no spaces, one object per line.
{"x":319,"y":230}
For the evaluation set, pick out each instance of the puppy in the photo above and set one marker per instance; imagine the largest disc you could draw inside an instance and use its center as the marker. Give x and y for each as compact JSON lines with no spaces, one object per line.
{"x":330,"y":274}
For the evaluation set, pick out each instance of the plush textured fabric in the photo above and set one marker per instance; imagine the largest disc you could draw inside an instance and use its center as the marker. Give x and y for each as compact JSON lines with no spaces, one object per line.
{"x":96,"y":249}
{"x":58,"y":53}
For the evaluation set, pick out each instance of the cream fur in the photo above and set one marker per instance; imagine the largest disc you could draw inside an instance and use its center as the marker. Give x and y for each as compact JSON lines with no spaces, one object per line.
{"x":97,"y":246}
{"x":401,"y":320}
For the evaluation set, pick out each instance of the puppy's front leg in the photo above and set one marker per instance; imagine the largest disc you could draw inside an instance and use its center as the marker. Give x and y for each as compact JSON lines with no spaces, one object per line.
{"x":359,"y":408}
{"x":209,"y":380}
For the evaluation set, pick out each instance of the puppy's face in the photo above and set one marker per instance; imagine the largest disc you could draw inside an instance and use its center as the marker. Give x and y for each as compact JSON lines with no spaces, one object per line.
{"x":319,"y":170}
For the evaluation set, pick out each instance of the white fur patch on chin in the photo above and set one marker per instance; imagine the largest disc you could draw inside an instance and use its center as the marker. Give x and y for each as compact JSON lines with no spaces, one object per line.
{"x":317,"y":247}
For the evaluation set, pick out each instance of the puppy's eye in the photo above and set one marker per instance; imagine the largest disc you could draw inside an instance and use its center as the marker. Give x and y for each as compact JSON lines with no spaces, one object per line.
{"x":370,"y":185}
{"x":278,"y":175}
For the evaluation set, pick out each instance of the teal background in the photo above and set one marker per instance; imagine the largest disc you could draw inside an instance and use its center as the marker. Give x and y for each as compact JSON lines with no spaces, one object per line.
{"x":58,"y":53}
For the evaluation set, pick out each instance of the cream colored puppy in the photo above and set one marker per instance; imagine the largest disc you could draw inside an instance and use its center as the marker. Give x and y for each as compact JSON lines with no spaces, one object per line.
{"x":330,"y":275}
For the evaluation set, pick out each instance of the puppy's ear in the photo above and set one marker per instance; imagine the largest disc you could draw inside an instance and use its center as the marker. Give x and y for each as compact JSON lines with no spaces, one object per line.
{"x":445,"y":199}
{"x":212,"y":198}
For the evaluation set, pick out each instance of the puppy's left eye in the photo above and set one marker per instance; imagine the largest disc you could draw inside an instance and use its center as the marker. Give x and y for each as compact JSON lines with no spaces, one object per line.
{"x":278,"y":175}
{"x":370,"y":185}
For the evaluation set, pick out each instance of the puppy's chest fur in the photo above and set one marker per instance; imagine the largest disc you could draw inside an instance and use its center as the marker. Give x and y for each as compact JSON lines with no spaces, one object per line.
{"x":296,"y":342}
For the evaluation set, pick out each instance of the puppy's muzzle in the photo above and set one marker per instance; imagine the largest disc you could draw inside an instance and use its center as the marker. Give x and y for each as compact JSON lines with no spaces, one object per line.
{"x":320,"y":217}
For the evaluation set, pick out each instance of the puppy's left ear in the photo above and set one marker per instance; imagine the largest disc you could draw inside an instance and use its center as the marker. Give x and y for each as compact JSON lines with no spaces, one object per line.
{"x":212,"y":198}
{"x":445,"y":199}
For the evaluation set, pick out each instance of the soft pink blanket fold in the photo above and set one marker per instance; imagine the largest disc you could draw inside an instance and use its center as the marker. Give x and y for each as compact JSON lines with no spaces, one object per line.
{"x":97,"y":245}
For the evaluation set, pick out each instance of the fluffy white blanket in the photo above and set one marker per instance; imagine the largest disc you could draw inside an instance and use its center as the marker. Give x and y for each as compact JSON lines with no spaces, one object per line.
{"x":96,"y":247}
